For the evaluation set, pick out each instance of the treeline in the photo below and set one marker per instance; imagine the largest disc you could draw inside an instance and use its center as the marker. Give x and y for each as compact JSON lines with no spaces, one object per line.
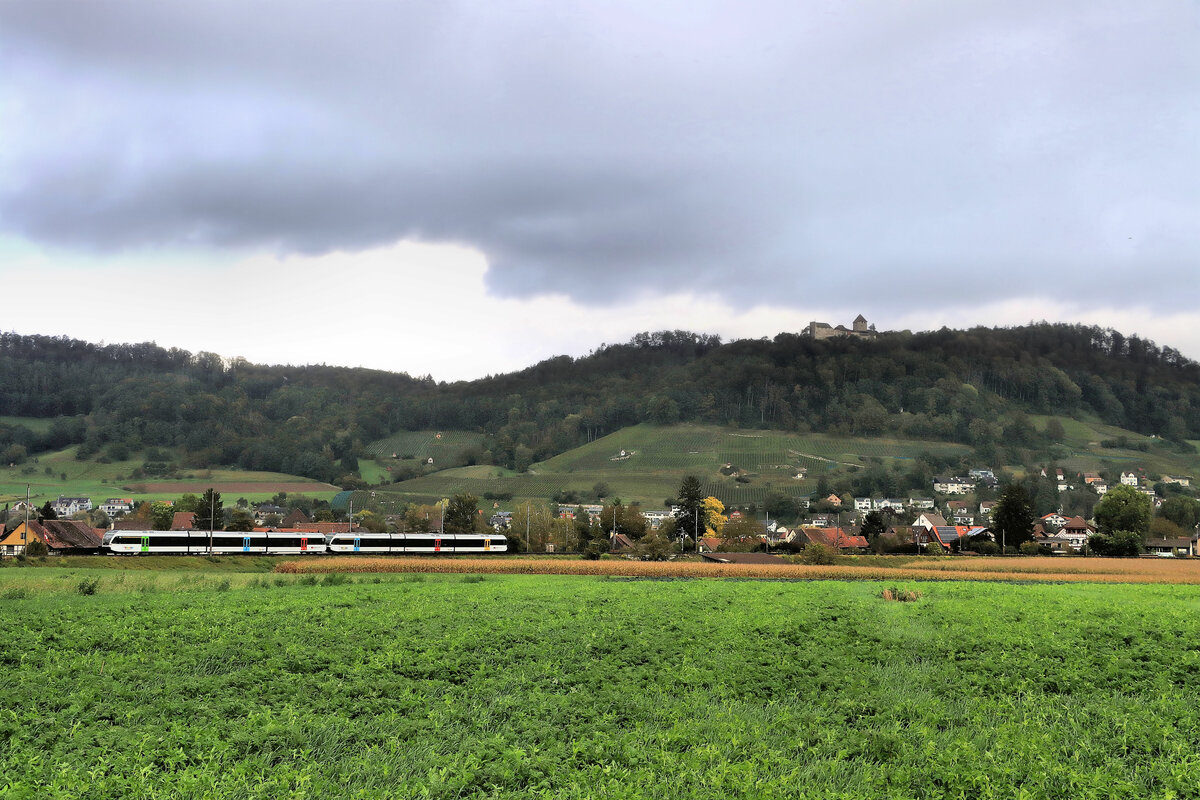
{"x":972,"y":386}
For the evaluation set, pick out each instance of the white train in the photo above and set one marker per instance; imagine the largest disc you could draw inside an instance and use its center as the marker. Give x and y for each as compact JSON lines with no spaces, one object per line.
{"x":298,"y":543}
{"x":422,"y":543}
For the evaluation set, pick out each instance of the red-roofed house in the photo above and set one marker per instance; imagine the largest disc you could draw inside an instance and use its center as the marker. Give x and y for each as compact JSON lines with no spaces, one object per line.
{"x":837,"y":538}
{"x":183,"y":521}
{"x":61,"y":536}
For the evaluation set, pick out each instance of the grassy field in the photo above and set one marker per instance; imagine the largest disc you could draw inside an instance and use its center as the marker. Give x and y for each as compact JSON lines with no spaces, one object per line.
{"x":60,"y":473}
{"x":658,"y":457}
{"x":243,"y":685}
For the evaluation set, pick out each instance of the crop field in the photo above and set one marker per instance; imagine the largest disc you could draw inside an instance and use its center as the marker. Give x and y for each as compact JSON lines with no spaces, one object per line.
{"x":922,"y":568}
{"x":499,"y":686}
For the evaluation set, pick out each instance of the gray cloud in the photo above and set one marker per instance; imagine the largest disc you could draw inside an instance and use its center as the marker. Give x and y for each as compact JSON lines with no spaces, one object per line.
{"x":866,"y":151}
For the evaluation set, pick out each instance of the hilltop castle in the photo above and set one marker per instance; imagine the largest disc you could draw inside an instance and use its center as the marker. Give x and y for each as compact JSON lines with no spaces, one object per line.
{"x":823,"y":330}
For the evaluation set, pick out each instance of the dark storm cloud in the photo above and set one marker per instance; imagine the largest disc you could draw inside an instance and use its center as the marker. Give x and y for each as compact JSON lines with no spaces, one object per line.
{"x":769,"y":151}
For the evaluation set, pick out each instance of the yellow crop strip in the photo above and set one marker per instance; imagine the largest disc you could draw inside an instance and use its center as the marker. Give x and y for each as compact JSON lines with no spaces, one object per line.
{"x":1032,"y":570}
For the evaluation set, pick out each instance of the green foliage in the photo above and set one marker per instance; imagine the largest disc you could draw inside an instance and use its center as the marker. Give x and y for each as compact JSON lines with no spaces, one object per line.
{"x":655,"y":546}
{"x":462,"y":514}
{"x":36,"y":548}
{"x":210,"y":511}
{"x":435,"y":688}
{"x":1116,"y":543}
{"x":1183,"y":511}
{"x":88,"y":586}
{"x":240,"y":520}
{"x":1012,"y":517}
{"x":1124,"y":508}
{"x":816,"y":553}
{"x":161,"y":515}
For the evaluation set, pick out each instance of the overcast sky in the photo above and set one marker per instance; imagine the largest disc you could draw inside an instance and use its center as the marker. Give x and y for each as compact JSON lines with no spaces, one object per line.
{"x":467,"y":188}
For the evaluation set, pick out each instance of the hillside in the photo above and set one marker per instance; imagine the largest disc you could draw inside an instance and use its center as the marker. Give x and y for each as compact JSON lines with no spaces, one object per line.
{"x":646,"y":463}
{"x":982,"y":393}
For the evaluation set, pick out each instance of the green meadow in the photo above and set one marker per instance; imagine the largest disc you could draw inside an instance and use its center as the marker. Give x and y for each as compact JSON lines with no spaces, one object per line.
{"x":658,"y":457}
{"x":250,"y":684}
{"x":49,"y":475}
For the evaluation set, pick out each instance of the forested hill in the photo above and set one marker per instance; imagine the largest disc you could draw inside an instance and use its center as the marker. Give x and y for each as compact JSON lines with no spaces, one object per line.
{"x":971,"y":386}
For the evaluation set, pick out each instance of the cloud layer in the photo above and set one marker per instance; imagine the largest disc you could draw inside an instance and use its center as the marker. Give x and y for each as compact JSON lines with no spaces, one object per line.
{"x":892,"y":153}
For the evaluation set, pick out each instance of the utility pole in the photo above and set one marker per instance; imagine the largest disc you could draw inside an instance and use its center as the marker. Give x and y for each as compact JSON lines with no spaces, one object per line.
{"x":212,"y":510}
{"x":527,"y":526}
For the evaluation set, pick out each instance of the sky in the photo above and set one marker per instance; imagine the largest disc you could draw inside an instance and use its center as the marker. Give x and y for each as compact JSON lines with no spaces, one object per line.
{"x":462,"y":189}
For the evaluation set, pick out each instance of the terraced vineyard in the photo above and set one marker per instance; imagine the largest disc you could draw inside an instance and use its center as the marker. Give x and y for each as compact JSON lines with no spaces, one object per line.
{"x":441,"y":446}
{"x":645,"y":463}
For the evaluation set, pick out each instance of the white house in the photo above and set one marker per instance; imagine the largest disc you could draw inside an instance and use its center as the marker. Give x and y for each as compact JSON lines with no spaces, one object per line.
{"x":117,"y":506}
{"x":922,"y":503}
{"x":1129,"y":479}
{"x":862,"y":504}
{"x":894,"y":503}
{"x":952,"y":485}
{"x":66,"y":506}
{"x":1057,"y":520}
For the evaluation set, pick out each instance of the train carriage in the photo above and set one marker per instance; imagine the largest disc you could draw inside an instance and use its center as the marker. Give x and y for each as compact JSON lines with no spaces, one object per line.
{"x":416,"y":543}
{"x":222,"y":542}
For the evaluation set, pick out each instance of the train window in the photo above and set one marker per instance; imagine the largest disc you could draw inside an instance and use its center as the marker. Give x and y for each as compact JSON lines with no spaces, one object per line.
{"x":419,"y":543}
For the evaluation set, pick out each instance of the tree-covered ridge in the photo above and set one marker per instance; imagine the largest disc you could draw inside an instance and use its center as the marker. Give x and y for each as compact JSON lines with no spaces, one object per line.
{"x":971,"y":386}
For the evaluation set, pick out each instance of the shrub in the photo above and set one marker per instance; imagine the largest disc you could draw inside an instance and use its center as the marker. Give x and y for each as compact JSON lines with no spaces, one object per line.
{"x":1117,"y":543}
{"x":986,"y":548}
{"x":37,"y":549}
{"x":473,"y":579}
{"x":88,"y":586}
{"x":816,"y":553}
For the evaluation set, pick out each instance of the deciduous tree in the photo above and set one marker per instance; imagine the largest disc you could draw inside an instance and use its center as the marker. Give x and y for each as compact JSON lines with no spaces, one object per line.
{"x":1124,"y":508}
{"x":461,"y":513}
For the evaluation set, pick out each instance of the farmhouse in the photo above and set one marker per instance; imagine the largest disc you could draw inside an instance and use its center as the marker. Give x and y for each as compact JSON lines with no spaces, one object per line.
{"x":837,"y":538}
{"x":1075,"y":532}
{"x":1172,"y":547}
{"x":61,"y":536}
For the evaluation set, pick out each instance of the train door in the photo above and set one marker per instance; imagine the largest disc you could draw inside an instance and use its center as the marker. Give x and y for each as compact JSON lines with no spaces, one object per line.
{"x":437,"y":545}
{"x":487,"y":545}
{"x":245,"y":544}
{"x":145,"y":544}
{"x":303,"y":543}
{"x":357,"y":543}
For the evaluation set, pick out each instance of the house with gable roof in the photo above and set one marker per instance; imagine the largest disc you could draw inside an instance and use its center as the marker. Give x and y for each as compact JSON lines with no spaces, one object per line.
{"x":61,"y":536}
